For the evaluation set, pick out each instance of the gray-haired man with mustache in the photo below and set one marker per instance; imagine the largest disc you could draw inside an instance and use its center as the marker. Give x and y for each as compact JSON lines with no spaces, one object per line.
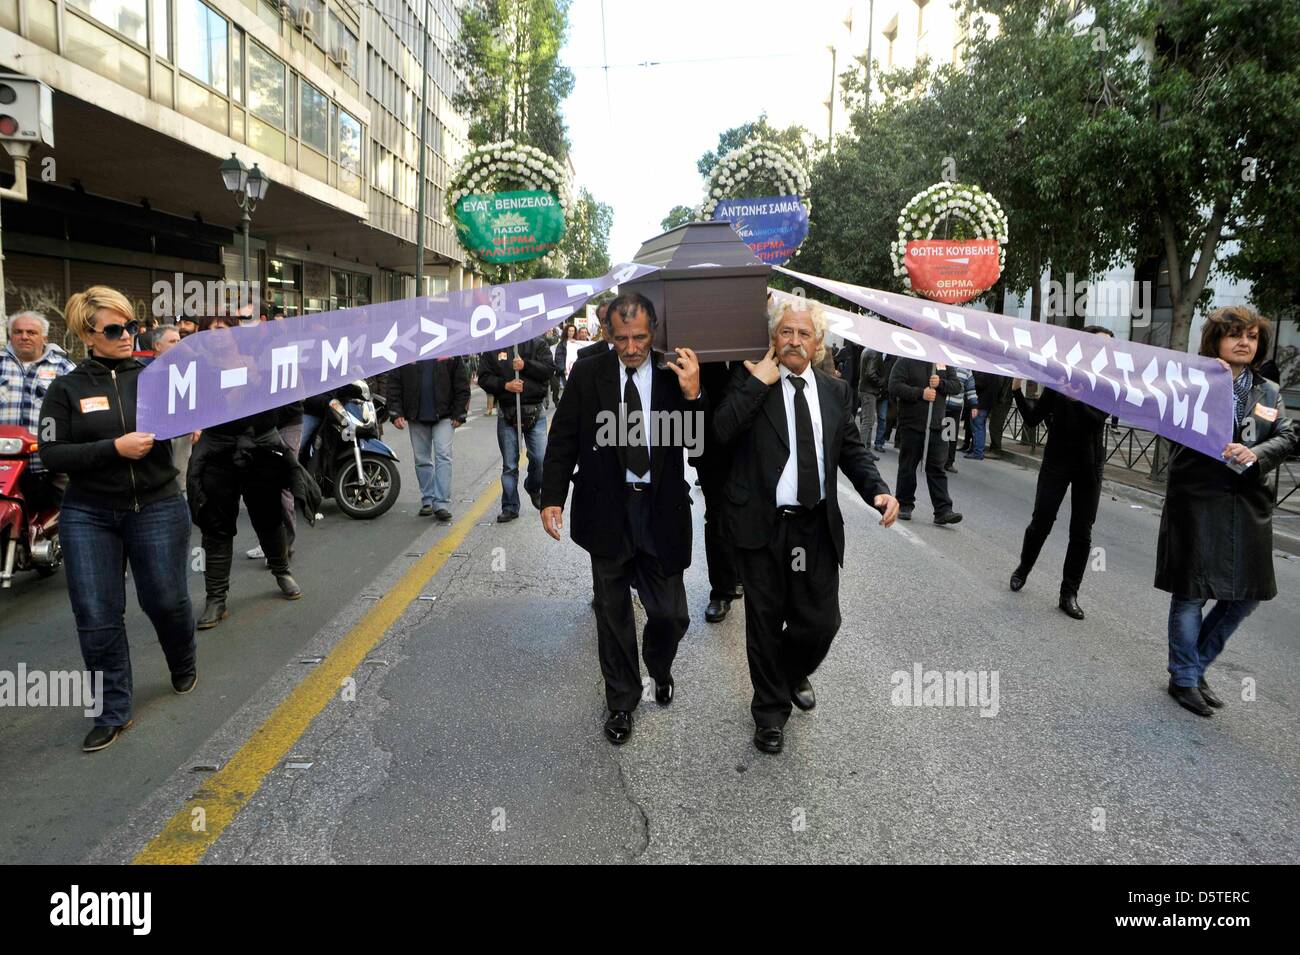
{"x":788,"y":427}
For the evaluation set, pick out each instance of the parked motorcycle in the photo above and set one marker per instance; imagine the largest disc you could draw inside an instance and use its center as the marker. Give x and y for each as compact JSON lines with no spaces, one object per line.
{"x":348,"y":460}
{"x":29,"y":539}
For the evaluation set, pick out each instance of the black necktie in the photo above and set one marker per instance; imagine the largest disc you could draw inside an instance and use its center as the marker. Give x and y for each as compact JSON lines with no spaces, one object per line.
{"x":637,"y":456}
{"x":810,"y":491}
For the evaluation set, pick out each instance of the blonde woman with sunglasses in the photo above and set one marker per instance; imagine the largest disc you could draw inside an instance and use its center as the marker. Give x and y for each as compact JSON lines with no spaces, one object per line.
{"x":122,"y":506}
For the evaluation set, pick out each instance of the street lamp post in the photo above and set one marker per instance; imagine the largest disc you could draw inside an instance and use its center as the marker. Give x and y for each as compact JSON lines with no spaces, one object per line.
{"x":249,"y":188}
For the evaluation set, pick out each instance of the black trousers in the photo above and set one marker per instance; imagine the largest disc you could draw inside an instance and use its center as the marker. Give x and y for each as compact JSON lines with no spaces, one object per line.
{"x":792,"y":610}
{"x":911,"y":450}
{"x":662,"y":595}
{"x":223,"y":486}
{"x":1085,"y":494}
{"x":723,"y":576}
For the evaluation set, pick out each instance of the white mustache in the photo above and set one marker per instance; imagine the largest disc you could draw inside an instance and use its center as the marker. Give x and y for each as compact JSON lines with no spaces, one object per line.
{"x":795,"y":350}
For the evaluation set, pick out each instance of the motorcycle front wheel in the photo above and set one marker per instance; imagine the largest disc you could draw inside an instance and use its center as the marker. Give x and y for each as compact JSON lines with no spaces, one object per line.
{"x":366,"y":496}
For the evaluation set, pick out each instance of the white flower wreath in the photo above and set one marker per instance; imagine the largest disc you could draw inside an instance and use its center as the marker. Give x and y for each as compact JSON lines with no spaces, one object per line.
{"x":972,"y":214}
{"x":507,"y":166}
{"x":752,"y":169}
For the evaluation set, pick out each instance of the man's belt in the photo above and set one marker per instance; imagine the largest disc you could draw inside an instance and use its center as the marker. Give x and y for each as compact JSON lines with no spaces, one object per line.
{"x":798,"y":510}
{"x":638,"y":485}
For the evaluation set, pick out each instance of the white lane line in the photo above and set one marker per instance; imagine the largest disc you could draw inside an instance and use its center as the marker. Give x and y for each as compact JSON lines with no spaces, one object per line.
{"x":852,"y":494}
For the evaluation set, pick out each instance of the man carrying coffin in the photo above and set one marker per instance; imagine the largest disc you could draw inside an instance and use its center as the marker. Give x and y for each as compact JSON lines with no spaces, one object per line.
{"x":631,"y":502}
{"x":789,"y":427}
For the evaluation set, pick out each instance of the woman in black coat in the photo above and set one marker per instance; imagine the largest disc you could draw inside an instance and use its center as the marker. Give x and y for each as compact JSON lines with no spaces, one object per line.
{"x":122,"y":508}
{"x":1216,"y":530}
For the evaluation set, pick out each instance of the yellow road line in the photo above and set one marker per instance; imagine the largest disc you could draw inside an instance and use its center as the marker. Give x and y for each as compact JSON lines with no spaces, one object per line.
{"x":232,"y":786}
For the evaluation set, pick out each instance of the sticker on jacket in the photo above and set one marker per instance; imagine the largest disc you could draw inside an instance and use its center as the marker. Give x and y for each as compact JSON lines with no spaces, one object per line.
{"x":1268,"y":414}
{"x":99,"y":403}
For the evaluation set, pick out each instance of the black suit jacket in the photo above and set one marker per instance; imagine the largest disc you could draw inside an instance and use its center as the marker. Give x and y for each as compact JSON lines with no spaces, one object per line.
{"x":907,"y":383}
{"x":751,"y":421}
{"x":600,"y":486}
{"x":450,"y":391}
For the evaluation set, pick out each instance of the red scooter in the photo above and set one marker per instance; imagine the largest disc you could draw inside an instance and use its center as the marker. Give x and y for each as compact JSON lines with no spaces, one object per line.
{"x":28,"y":540}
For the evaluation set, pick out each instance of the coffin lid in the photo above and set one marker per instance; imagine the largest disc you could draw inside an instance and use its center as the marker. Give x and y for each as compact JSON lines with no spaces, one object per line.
{"x":700,"y":250}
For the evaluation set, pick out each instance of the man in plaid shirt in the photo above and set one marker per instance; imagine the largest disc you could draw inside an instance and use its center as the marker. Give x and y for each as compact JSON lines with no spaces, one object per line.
{"x":27,"y":366}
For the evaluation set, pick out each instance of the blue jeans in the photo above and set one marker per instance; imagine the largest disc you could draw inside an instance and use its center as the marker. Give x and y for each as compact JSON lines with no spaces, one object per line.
{"x":979,"y":421}
{"x":508,"y":441}
{"x":1195,"y":642}
{"x":431,"y":448}
{"x":882,"y":419}
{"x":97,"y":545}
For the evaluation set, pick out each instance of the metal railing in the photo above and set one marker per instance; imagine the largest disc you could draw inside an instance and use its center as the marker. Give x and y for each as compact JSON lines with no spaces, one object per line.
{"x":1136,"y":449}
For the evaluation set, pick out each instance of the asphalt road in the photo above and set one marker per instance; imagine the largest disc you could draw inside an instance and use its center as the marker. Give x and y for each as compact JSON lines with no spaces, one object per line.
{"x":474,"y":734}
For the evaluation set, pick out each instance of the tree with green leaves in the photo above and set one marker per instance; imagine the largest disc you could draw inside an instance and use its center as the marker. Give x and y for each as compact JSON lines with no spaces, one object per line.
{"x":678,"y":215}
{"x":798,"y":139}
{"x":585,"y":246}
{"x":515,"y":84}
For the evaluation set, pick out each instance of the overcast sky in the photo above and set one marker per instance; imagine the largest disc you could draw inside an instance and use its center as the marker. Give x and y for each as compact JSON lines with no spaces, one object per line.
{"x":723,"y":62}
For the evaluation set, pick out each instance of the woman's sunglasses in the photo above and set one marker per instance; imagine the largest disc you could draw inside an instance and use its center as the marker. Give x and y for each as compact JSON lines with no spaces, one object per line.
{"x":114,"y":331}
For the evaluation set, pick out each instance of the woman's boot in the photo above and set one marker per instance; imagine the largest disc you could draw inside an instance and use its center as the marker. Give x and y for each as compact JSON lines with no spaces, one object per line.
{"x":277,"y":558}
{"x":216,"y":580}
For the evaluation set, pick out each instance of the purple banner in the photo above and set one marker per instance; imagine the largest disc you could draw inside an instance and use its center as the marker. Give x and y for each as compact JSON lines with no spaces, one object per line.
{"x":883,"y":337}
{"x":1183,"y":397}
{"x":222,"y":374}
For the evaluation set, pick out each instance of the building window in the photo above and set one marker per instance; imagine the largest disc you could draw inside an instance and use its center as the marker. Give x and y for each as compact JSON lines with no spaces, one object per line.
{"x":127,"y":17}
{"x":293,"y":103}
{"x":265,"y":85}
{"x":317,"y":7}
{"x":161,"y":35}
{"x":349,"y":143}
{"x":237,"y":66}
{"x":201,"y":35}
{"x":343,"y":44}
{"x":315,"y":118}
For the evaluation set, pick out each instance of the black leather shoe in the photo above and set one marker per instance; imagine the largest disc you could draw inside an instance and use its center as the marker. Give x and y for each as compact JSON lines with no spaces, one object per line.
{"x":442,"y":514}
{"x":1018,"y":578}
{"x":618,"y":728}
{"x":947,"y":517}
{"x":1070,"y":605}
{"x":505,"y":517}
{"x":536,"y":498}
{"x":769,"y":739}
{"x":663,"y":692}
{"x":1190,"y":698}
{"x":803,"y":696}
{"x":716,"y":610}
{"x":214,"y":611}
{"x":289,"y":588}
{"x":1209,"y":695}
{"x":425,"y":510}
{"x":904,"y":513}
{"x":102,"y":737}
{"x":185,"y":682}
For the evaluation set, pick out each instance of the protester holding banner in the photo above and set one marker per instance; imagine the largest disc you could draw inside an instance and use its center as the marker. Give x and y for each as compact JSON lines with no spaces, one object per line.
{"x":122,"y":506}
{"x":244,"y":458}
{"x":526,"y":374}
{"x":920,"y":392}
{"x":431,"y":398}
{"x":1073,"y":458}
{"x":1216,"y":529}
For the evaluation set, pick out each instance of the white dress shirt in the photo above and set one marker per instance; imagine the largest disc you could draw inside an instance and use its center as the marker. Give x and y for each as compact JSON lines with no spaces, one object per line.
{"x":787,"y":488}
{"x":642,"y":379}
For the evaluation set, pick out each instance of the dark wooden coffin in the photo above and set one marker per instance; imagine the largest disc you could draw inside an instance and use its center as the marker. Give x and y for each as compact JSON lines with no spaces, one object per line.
{"x":710,"y":293}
